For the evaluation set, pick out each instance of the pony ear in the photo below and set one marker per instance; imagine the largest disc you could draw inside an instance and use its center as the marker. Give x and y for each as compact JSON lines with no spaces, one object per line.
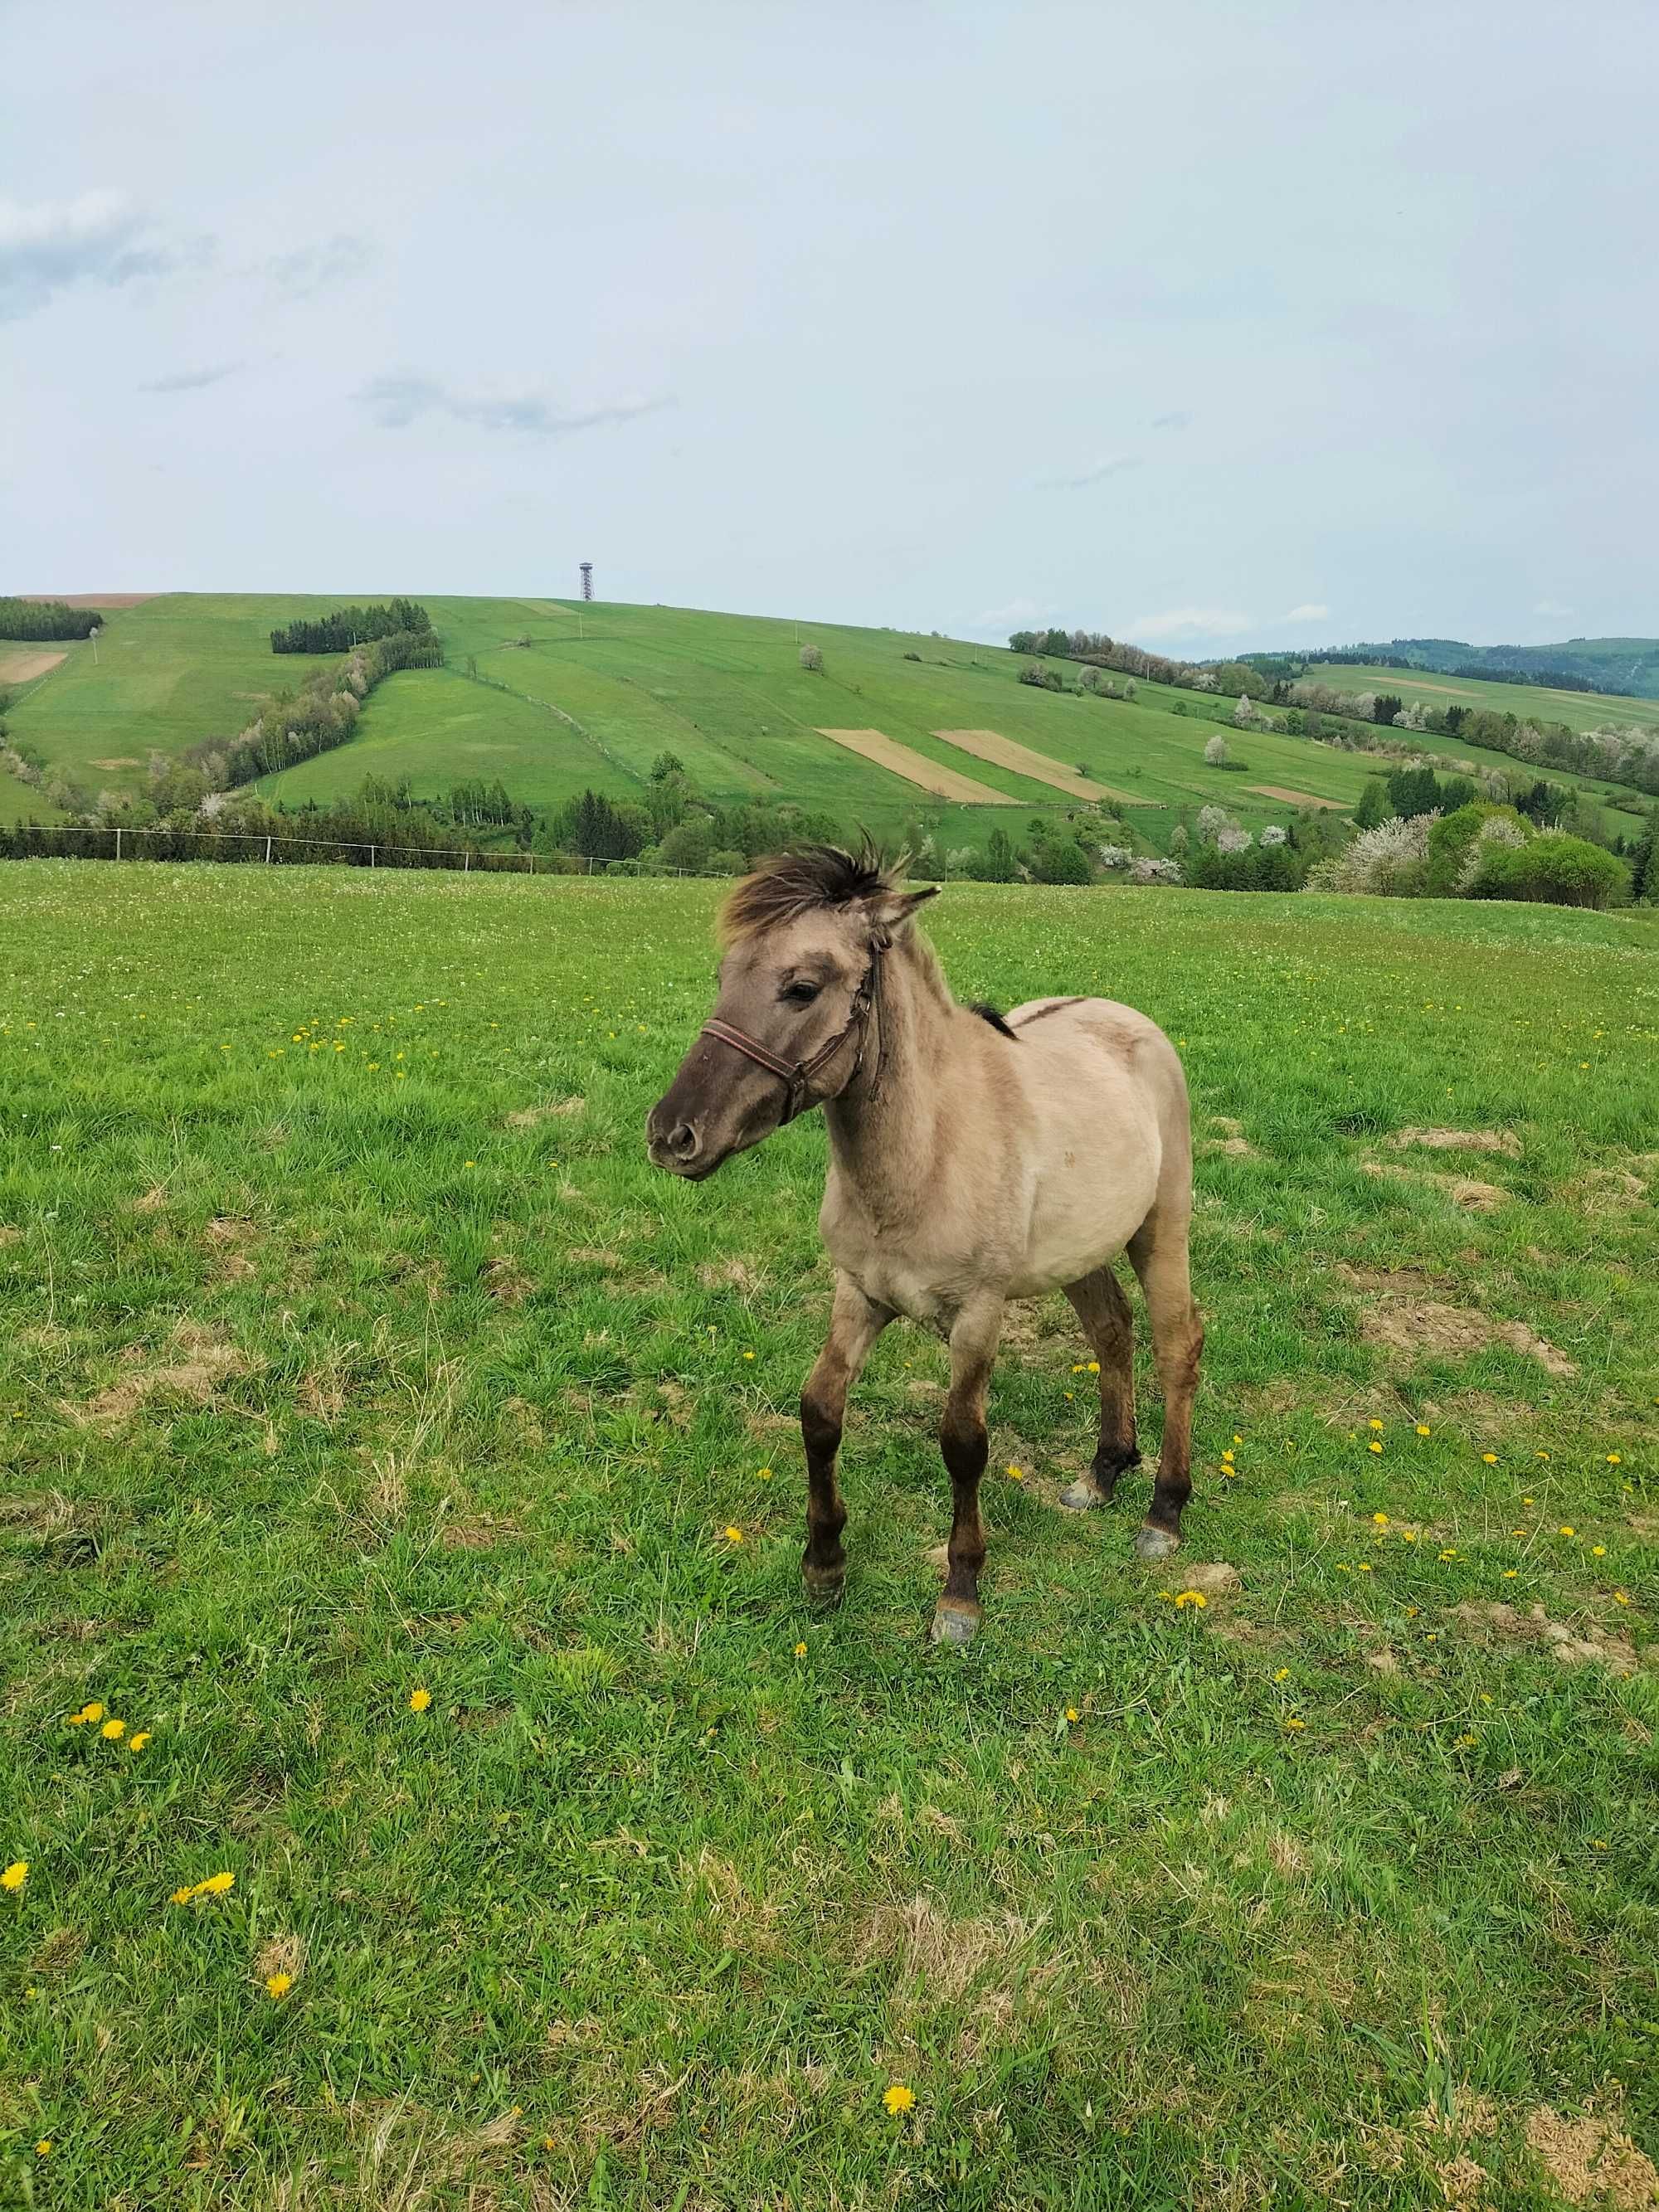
{"x":889,"y":909}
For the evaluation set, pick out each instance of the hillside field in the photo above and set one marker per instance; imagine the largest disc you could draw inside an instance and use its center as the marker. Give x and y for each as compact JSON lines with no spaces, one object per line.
{"x":551,"y":697}
{"x":400,"y":1511}
{"x":1580,"y":710}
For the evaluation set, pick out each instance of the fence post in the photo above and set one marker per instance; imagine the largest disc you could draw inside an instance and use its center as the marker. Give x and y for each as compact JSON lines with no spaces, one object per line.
{"x":267,"y":852}
{"x":467,"y":860}
{"x":372,"y":860}
{"x":118,"y":840}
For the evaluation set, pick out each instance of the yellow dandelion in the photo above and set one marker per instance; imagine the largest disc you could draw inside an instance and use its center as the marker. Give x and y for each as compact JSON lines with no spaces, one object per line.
{"x":137,"y":1742}
{"x":1379,"y":1520}
{"x":1237,"y":1439}
{"x":1511,"y":1573}
{"x":1408,"y":1535}
{"x":1015,"y":1473}
{"x":1192,"y":1597}
{"x":1364,"y":1568}
{"x":112,"y":1731}
{"x":217,"y":1885}
{"x":1619,"y":1598}
{"x":1598,"y":1844}
{"x":1423,"y":1429}
{"x":43,"y":2148}
{"x":86,"y":1716}
{"x":1567,"y":1529}
{"x":765,"y":1474}
{"x":1490,"y":1458}
{"x":1449,"y":1552}
{"x":182,"y":1896}
{"x":1291,"y":1722}
{"x":748,"y":1355}
{"x":1466,"y":1740}
{"x":1073,"y":1714}
{"x":1374,"y":1424}
{"x":897,"y":2098}
{"x":278,"y":1985}
{"x":1598,"y":1551}
{"x":1374,"y":1445}
{"x":419,"y":1700}
{"x":1282,"y":1674}
{"x":16,"y":1875}
{"x":801,"y":1651}
{"x":1615,"y":1459}
{"x":734,"y":1536}
{"x":1094,"y":1367}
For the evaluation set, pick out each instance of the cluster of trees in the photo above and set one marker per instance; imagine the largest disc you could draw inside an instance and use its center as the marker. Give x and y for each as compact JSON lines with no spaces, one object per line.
{"x":45,"y":621}
{"x":1619,"y":751}
{"x":296,"y":726}
{"x":349,"y":626}
{"x":673,"y":829}
{"x":1605,"y":665}
{"x":1481,"y":850}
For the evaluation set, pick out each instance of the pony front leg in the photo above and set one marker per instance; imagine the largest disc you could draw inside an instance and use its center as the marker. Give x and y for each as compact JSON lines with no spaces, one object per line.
{"x":962,"y":1441}
{"x":855,"y":1323}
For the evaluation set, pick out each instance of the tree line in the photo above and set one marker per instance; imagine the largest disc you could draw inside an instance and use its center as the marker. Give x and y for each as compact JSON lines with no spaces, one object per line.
{"x":321,"y":713}
{"x":44,"y":622}
{"x":351,"y":626}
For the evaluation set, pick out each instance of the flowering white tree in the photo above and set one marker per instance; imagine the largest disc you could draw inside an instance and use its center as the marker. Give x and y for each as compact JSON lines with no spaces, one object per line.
{"x":1216,"y":753}
{"x":1113,"y":856}
{"x":1387,"y":861}
{"x":1212,"y":821}
{"x":1243,"y":714}
{"x":1275,"y":834}
{"x":1495,"y":829}
{"x":811,"y":657}
{"x":1232,"y":839}
{"x":1148,"y":869}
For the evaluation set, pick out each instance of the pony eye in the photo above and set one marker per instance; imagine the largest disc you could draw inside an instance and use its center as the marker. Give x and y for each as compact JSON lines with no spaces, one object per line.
{"x":801,"y":995}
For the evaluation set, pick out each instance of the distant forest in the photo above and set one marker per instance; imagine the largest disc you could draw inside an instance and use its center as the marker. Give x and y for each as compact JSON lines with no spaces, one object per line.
{"x":1626,"y":666}
{"x":44,"y":621}
{"x":351,"y":626}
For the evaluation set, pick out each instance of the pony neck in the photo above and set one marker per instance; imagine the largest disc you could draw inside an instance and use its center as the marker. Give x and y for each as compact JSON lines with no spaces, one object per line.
{"x":882,"y":1126}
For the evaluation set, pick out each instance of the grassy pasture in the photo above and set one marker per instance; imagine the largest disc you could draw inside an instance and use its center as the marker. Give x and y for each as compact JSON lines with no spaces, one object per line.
{"x":349,"y":1350}
{"x":1530,"y":702}
{"x":593,"y":695}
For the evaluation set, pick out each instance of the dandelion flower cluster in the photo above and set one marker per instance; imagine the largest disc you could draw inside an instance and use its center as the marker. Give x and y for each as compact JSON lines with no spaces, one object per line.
{"x":217,"y":1885}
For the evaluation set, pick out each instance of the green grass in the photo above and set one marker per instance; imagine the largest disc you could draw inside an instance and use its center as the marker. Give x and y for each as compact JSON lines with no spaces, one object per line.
{"x":1530,"y":702}
{"x":593,"y":695}
{"x":348,"y":1347}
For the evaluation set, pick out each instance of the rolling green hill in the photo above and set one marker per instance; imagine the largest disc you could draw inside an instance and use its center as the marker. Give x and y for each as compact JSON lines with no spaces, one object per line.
{"x":550,"y":697}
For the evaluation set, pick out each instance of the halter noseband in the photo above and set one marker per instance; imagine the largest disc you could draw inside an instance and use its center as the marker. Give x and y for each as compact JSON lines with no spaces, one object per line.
{"x":798,"y":1075}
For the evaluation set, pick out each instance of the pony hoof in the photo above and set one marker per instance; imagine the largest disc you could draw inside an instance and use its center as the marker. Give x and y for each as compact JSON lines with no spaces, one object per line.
{"x":1155,"y":1543}
{"x":1081,"y":1496}
{"x":954,"y":1623}
{"x":823,"y":1588}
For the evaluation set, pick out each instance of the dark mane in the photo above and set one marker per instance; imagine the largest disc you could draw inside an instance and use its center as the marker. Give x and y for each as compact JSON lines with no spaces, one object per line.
{"x":790,"y":884}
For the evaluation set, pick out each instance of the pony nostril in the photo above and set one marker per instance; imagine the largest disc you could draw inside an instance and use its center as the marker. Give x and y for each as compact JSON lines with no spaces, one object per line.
{"x":683,"y":1141}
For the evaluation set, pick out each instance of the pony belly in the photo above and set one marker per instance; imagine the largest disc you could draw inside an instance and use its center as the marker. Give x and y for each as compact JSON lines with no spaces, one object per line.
{"x":1070,"y":1241}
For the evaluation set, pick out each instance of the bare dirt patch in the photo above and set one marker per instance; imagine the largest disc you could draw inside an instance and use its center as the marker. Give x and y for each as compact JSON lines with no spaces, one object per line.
{"x":120,"y":760}
{"x":1211,"y":1580}
{"x":1297,"y":798}
{"x":18,"y":666}
{"x":914,"y":767}
{"x":506,"y":1281}
{"x":528,"y":1117}
{"x":729,"y":1275}
{"x":200,"y":1365}
{"x":1588,"y":2158}
{"x":1400,"y":1318}
{"x":1505,"y":1624}
{"x":1004,"y":752}
{"x":1459,"y":1140}
{"x":1467,"y":1191}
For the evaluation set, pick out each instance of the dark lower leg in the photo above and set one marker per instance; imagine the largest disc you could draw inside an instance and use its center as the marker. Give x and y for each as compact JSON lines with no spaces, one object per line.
{"x":965,"y":1447}
{"x":854,"y":1326}
{"x":1098,"y":1301}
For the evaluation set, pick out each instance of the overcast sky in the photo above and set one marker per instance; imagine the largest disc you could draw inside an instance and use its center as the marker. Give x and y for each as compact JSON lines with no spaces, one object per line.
{"x":1207,"y":326}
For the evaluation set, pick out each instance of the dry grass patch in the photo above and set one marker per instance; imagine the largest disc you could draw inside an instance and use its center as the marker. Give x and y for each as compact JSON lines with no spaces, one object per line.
{"x":280,"y":1955}
{"x":1505,"y":1624}
{"x":1398,"y":1318}
{"x":201,"y":1363}
{"x":529,"y":1117}
{"x":1459,"y":1140}
{"x":939,"y":1957}
{"x":1467,"y":1191}
{"x":1590,"y":2159}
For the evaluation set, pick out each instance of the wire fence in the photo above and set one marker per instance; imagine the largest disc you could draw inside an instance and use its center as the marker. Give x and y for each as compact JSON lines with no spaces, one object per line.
{"x":125,"y":843}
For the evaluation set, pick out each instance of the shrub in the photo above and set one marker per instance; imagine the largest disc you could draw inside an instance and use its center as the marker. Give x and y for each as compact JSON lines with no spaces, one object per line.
{"x":1150,"y":870}
{"x":810,"y":656}
{"x":1560,"y":870}
{"x":1454,"y":840}
{"x":1044,"y":678}
{"x":1390,"y":861}
{"x":1217,"y":753}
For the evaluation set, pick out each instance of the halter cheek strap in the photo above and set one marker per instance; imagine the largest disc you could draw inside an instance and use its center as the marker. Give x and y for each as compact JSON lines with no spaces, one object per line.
{"x":798,"y":1075}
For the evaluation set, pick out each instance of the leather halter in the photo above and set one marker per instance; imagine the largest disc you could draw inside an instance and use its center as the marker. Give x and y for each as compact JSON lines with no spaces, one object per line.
{"x":798,"y":1075}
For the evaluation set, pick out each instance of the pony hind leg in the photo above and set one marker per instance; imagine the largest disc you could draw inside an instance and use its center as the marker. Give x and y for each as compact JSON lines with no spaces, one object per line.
{"x":855,"y":1323}
{"x":1098,"y":1302}
{"x":1158,"y":1252}
{"x":965,"y":1446}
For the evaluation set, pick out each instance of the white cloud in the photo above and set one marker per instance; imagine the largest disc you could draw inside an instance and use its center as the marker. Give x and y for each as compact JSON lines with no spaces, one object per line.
{"x":1112,"y":466}
{"x":1310,"y":610}
{"x":394,"y":402}
{"x":194,"y":379}
{"x":1176,"y":421}
{"x":1190,"y":622}
{"x":314,"y":267}
{"x":97,"y":238}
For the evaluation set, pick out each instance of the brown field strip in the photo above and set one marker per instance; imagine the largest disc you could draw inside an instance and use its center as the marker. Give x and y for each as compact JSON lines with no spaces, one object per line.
{"x":1005,"y":752}
{"x":20,"y":663}
{"x":1295,"y":798}
{"x":916,"y":768}
{"x":88,"y":598}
